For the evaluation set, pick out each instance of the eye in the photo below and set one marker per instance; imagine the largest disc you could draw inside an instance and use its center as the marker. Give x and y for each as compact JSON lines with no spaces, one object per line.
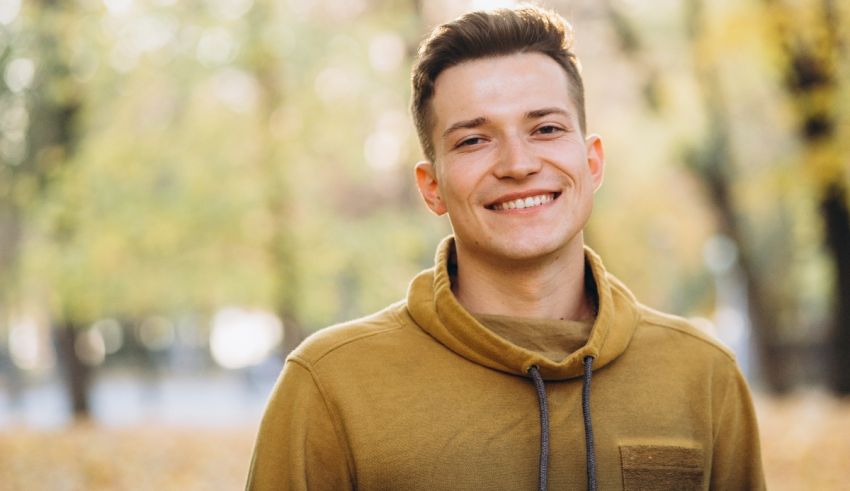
{"x":468,"y":142}
{"x":549,"y":129}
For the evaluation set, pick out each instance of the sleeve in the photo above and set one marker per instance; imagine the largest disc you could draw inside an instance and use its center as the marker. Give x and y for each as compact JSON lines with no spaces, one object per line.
{"x":736,"y":462}
{"x":299,"y":446}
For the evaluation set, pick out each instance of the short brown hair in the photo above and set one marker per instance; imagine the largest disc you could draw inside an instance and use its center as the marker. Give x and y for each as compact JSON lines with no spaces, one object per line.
{"x":485,"y":34}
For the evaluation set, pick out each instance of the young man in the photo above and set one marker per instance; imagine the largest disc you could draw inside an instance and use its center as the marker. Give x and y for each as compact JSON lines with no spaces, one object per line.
{"x":481,"y":378}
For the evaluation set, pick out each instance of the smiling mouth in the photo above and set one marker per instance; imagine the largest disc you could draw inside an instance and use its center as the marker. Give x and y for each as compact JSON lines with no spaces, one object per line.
{"x":522,"y":203}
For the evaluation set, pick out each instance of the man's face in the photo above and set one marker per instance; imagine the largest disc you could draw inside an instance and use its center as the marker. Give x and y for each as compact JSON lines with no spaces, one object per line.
{"x":512,"y":170}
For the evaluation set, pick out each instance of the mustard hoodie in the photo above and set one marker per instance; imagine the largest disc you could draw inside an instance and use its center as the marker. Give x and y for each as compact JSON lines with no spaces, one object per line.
{"x":423,"y":396}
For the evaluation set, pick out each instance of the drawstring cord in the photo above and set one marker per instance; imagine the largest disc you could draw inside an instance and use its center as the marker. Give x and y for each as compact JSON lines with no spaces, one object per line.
{"x":543,"y":468}
{"x":588,"y":427}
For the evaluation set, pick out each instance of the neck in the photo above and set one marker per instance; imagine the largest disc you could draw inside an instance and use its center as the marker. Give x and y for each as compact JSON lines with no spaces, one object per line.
{"x":553,"y":288}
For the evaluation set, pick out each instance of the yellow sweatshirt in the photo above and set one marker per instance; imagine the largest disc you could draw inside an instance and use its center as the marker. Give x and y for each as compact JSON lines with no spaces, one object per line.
{"x":423,"y":396}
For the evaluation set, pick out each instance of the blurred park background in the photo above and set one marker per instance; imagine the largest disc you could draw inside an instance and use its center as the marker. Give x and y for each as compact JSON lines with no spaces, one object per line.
{"x":188,"y":188}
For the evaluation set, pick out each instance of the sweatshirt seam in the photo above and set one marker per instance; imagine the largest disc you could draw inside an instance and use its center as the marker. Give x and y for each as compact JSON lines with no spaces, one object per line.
{"x":318,"y":358}
{"x":335,"y":419}
{"x":685,"y":331}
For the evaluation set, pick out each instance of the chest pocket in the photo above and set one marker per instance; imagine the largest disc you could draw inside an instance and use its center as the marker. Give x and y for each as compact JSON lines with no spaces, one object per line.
{"x":661,"y":467}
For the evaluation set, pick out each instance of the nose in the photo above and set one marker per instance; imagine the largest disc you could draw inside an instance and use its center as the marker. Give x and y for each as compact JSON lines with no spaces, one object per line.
{"x":516,"y":159}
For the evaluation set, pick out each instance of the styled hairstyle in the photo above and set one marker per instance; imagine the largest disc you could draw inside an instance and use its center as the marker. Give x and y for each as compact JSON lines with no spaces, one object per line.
{"x":486,"y":34}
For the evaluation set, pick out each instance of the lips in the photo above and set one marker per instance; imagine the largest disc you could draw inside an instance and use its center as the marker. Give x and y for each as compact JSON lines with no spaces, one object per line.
{"x":522,"y":202}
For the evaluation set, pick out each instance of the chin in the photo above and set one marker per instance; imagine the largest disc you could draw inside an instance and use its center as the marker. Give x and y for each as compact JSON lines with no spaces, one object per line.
{"x":528,"y":245}
{"x":522,"y":251}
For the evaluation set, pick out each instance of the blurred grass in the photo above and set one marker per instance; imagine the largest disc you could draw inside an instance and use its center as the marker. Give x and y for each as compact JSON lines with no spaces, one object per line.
{"x":805,"y":445}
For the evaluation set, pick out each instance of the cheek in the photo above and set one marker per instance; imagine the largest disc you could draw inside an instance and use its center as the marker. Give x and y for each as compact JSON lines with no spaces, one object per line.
{"x":568,"y":156}
{"x":456,"y":185}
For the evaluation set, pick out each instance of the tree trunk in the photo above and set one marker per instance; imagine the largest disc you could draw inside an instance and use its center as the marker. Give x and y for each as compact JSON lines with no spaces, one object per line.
{"x":10,"y":234}
{"x":837,"y":220}
{"x":76,"y":374}
{"x":292,"y":333}
{"x":772,"y":371}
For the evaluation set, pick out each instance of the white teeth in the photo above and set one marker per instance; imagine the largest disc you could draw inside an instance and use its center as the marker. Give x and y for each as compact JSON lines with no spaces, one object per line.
{"x":522,"y":203}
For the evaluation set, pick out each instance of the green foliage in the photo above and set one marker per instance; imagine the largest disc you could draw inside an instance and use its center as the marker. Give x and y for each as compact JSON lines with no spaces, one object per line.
{"x":219,"y":159}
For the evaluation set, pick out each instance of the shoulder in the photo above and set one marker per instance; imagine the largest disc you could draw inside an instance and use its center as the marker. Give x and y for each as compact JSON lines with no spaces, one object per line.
{"x":683,"y":332}
{"x":384,"y":326}
{"x":660,"y":329}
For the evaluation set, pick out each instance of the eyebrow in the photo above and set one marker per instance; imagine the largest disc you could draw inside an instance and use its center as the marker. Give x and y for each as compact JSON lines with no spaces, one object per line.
{"x":465,"y":125}
{"x":481,"y":121}
{"x":546,"y":111}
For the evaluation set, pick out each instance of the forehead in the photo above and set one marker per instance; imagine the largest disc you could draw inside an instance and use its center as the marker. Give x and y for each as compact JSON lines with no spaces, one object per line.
{"x":498,"y":87}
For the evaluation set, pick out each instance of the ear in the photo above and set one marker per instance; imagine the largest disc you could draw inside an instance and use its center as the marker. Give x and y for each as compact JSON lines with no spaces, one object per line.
{"x":595,"y":159}
{"x":426,"y":180}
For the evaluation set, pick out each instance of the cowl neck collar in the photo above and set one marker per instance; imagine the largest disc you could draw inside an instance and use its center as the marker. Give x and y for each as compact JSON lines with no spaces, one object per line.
{"x":434,"y":307}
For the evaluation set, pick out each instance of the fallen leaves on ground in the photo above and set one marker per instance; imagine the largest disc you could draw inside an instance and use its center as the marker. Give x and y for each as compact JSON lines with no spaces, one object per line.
{"x":87,"y":457}
{"x":805,"y":441}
